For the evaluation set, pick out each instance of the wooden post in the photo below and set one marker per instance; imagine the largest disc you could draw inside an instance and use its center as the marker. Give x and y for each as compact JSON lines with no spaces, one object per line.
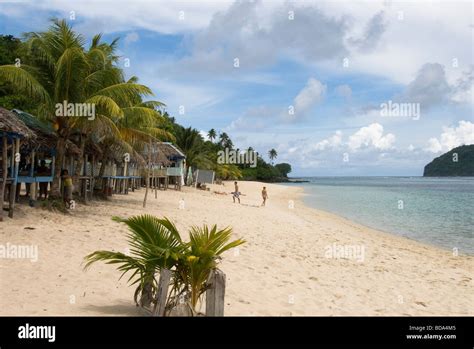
{"x":14,"y":170}
{"x":86,"y":158}
{"x":32,"y":175}
{"x":92,"y":176}
{"x":4,"y":174}
{"x":147,"y":175}
{"x":215,"y":293}
{"x":162,"y":294}
{"x":154,"y":183}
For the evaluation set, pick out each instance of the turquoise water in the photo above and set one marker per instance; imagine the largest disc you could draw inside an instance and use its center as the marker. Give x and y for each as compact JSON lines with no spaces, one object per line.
{"x":437,"y":211}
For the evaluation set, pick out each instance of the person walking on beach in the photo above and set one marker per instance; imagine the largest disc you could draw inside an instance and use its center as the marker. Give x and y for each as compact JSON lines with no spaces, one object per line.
{"x":236,"y":193}
{"x":264,"y":196}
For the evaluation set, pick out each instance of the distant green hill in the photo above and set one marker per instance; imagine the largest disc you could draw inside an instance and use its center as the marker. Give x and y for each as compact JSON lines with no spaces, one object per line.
{"x":445,"y":165}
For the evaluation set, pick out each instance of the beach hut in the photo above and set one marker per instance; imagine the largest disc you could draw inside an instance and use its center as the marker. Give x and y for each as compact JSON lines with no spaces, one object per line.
{"x":156,"y":163}
{"x":175,"y":170}
{"x":120,"y":169}
{"x":39,"y":154}
{"x":12,"y":132}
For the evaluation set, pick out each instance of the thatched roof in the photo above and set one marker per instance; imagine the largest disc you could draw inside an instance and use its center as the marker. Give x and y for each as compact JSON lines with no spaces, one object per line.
{"x":171,"y":151}
{"x":163,"y":153}
{"x":46,"y":136}
{"x":11,"y":124}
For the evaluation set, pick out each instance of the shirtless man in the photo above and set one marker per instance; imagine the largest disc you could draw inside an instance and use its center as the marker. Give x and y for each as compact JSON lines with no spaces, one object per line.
{"x":264,"y":196}
{"x":236,"y":193}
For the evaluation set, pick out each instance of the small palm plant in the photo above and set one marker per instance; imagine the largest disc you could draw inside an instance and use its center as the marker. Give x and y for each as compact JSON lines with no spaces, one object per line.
{"x":195,"y":263}
{"x":155,"y":245}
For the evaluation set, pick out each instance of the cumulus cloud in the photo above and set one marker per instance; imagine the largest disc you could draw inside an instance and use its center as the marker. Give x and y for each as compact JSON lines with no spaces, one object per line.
{"x":452,"y":137}
{"x":371,"y":136}
{"x":429,"y":88}
{"x":332,"y":142}
{"x":309,"y":96}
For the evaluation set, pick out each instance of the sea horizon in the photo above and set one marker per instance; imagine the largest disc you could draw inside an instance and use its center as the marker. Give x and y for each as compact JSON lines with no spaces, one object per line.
{"x":431,"y":210}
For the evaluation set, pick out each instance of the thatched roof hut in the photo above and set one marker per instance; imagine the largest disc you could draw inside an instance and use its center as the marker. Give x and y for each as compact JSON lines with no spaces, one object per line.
{"x":11,"y":124}
{"x":170,"y":151}
{"x":46,"y":136}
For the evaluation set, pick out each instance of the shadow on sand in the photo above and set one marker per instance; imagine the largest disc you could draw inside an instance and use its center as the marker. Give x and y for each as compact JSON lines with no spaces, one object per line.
{"x":120,"y":309}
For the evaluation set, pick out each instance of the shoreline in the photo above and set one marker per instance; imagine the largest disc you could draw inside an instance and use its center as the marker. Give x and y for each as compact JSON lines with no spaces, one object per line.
{"x":377,"y":228}
{"x":282,"y":269}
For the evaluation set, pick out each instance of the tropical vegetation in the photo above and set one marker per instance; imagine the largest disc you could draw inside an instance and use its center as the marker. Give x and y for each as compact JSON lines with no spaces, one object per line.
{"x":156,"y":244}
{"x":44,"y":69}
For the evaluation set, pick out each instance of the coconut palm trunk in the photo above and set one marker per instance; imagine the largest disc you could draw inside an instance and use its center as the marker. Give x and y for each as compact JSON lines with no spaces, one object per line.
{"x":80,"y":163}
{"x":60,"y":155}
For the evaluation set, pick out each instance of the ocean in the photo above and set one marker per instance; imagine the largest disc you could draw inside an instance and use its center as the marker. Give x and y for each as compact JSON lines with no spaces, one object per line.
{"x":436,"y":211}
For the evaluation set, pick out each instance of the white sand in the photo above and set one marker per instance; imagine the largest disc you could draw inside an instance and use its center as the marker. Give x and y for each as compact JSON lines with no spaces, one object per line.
{"x":281,"y":270}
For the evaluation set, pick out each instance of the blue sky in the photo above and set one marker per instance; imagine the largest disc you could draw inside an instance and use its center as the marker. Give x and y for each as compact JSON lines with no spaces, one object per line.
{"x":332,"y":63}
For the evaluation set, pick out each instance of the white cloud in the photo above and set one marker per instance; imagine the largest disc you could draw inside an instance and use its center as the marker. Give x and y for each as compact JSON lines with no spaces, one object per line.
{"x":452,"y":137}
{"x":309,"y":96}
{"x":204,"y":135}
{"x":331,"y":142}
{"x":371,"y":135}
{"x":434,"y":145}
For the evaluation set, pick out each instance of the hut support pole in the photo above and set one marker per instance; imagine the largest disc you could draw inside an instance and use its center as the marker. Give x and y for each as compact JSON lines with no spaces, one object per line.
{"x":85,"y":174}
{"x":4,"y":173}
{"x":15,"y":164}
{"x":32,"y":172}
{"x":147,"y":175}
{"x":92,"y":176}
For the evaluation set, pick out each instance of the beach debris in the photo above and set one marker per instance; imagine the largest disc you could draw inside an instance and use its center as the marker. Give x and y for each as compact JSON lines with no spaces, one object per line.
{"x":421,"y":303}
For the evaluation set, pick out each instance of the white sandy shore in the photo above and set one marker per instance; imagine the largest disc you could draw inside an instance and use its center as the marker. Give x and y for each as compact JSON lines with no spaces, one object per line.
{"x":281,"y":270}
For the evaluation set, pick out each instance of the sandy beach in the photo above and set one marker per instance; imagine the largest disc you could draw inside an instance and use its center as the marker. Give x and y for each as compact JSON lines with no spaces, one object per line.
{"x":283,"y":268}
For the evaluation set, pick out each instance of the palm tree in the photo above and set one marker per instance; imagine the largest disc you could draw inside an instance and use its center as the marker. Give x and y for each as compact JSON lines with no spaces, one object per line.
{"x":192,"y":144}
{"x":60,"y":69}
{"x":224,"y":141}
{"x":201,"y":256}
{"x":156,"y":245}
{"x":272,"y":154}
{"x":212,"y":134}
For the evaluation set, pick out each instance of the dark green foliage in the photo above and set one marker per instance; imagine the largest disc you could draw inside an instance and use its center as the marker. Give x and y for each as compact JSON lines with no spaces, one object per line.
{"x":445,"y":165}
{"x":283,"y":168}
